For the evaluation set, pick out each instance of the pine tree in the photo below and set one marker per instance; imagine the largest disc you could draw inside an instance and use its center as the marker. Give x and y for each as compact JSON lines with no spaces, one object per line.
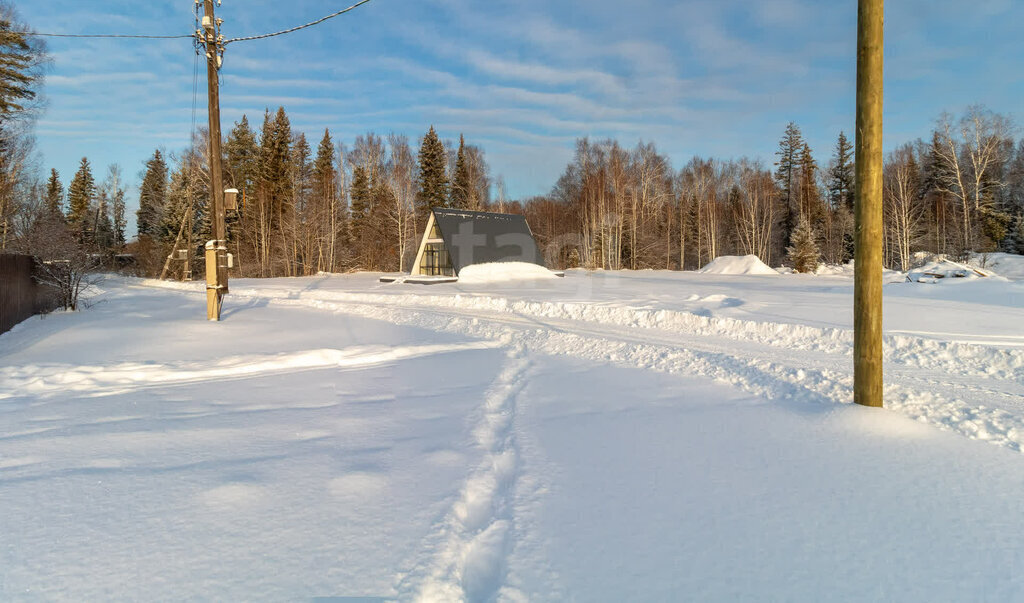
{"x":790,"y":146}
{"x":804,"y":251}
{"x":460,"y":193}
{"x":152,"y":196}
{"x":80,"y":196}
{"x":433,"y":181}
{"x":54,"y":196}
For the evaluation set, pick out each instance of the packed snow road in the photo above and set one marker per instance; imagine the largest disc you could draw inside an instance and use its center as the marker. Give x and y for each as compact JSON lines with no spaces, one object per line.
{"x":640,"y":436}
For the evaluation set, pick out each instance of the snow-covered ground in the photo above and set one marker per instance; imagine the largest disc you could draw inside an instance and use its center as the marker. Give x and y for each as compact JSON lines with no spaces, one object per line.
{"x":606,"y":436}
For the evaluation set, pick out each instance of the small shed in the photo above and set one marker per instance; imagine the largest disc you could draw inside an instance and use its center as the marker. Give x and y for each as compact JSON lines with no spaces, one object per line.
{"x":455,"y":238}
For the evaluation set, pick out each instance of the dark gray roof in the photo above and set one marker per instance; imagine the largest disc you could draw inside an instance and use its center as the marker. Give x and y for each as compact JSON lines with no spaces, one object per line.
{"x":476,"y":237}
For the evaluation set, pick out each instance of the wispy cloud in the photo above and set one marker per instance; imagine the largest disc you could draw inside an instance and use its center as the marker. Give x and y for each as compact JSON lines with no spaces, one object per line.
{"x":524,"y":78}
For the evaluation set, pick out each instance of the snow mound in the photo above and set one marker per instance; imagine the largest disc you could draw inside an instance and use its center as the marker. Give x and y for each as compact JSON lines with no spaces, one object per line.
{"x":933,"y":271}
{"x":500,"y":272}
{"x":735,"y":264}
{"x":835,"y":269}
{"x":1009,"y":265}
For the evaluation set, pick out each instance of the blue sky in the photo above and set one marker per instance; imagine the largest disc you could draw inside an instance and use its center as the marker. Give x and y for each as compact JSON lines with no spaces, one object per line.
{"x":525,"y":78}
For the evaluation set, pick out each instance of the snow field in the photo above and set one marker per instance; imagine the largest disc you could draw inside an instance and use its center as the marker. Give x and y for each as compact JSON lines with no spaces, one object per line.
{"x":509,"y":444}
{"x":987,"y":400}
{"x":274,"y":485}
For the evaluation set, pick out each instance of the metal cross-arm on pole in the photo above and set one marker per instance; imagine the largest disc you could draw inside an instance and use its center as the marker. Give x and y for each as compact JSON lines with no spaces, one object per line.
{"x":216,"y":249}
{"x":867,"y":288}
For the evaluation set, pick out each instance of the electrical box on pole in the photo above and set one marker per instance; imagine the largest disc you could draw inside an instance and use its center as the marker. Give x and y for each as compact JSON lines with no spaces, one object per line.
{"x":216,"y":250}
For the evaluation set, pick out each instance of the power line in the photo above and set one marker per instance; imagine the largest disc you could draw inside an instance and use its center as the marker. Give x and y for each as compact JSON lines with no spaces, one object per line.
{"x":297,"y":28}
{"x":56,"y":35}
{"x":183,"y":36}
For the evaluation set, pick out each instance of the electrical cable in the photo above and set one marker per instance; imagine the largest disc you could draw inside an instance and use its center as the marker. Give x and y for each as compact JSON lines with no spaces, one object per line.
{"x":56,"y":35}
{"x":297,"y":28}
{"x":183,"y":36}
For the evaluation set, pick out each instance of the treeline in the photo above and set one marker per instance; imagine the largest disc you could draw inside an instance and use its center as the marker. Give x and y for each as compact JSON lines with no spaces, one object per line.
{"x":362,"y":206}
{"x":301,"y":211}
{"x":959,"y":191}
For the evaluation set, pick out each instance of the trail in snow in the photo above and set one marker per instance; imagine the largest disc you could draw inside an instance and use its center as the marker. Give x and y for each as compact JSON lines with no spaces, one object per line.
{"x":474,"y":539}
{"x":954,"y":358}
{"x":757,"y":364}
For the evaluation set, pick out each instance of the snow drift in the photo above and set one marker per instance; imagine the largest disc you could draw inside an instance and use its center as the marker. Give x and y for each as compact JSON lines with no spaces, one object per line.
{"x":933,"y":271}
{"x":1009,"y":265}
{"x":735,"y":264}
{"x":499,"y":272}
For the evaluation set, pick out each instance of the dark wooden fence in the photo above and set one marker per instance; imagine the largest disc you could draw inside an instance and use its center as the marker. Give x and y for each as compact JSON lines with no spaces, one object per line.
{"x":20,"y":295}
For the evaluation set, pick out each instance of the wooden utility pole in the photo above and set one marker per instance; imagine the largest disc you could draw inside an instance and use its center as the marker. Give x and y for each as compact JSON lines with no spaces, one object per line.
{"x":216,"y":250}
{"x":867,"y":287}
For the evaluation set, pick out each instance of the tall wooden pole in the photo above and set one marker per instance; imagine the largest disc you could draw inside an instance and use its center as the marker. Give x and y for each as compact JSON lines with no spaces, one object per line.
{"x":216,"y":266}
{"x":867,"y":289}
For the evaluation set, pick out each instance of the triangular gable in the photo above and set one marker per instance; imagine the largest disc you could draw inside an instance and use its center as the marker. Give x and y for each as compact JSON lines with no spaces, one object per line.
{"x":475,"y":237}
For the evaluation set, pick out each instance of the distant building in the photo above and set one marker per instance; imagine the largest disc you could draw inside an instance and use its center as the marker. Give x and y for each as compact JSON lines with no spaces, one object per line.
{"x":454,"y":239}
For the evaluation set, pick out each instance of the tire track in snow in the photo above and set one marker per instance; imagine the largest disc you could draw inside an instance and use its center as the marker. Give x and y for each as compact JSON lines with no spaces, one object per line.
{"x":956,"y":358}
{"x":476,"y":536}
{"x":745,"y":366}
{"x":753,"y":374}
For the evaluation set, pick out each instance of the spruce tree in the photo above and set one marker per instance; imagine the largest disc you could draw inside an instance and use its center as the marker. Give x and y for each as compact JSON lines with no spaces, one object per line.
{"x":323,"y":169}
{"x":840,"y":183}
{"x":22,"y":62}
{"x":433,"y":181}
{"x":1015,"y":240}
{"x":80,"y":196}
{"x":460,"y":193}
{"x":840,"y":192}
{"x":804,"y":252}
{"x":152,"y":196}
{"x":54,"y":196}
{"x":187,"y":200}
{"x":360,"y":193}
{"x":790,"y":146}
{"x":242,"y":157}
{"x":301,"y":172}
{"x":120,"y":220}
{"x":275,"y":163}
{"x":102,"y":227}
{"x":809,"y":197}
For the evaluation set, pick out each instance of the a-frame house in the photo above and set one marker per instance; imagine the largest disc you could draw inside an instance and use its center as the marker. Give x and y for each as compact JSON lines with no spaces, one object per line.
{"x":455,"y":238}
